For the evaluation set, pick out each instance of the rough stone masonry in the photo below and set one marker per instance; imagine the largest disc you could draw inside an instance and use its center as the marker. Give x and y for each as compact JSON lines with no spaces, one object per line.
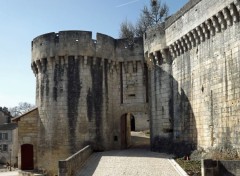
{"x":184,"y":76}
{"x":194,"y":77}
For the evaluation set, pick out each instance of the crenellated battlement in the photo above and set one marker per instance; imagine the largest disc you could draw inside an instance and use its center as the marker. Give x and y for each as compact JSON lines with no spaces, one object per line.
{"x":48,"y":48}
{"x":179,"y":38}
{"x":74,"y":43}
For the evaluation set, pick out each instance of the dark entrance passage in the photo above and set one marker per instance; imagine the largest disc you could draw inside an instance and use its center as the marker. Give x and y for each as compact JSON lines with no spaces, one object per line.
{"x":27,"y":157}
{"x":132,"y":123}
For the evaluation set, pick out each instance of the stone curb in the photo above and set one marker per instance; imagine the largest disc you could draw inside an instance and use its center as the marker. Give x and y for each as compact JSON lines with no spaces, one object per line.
{"x":177,"y":167}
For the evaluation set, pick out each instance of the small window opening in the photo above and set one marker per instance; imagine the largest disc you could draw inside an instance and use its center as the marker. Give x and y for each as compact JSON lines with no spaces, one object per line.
{"x":131,"y":95}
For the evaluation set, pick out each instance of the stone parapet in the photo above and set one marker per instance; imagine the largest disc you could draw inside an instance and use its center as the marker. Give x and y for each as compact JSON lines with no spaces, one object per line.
{"x":74,"y":163}
{"x":181,"y":12}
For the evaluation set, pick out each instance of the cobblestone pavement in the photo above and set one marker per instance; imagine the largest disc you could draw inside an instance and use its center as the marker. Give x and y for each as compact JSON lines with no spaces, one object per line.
{"x":131,"y":162}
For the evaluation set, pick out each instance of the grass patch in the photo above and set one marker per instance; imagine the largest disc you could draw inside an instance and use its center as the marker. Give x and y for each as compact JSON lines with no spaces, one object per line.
{"x":191,"y":167}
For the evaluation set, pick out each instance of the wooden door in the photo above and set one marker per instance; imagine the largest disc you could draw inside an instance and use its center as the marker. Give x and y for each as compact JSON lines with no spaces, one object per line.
{"x":27,"y":157}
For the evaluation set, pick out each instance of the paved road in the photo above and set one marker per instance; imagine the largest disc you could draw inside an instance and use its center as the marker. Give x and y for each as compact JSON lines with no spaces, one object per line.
{"x":132,"y":162}
{"x":136,"y":161}
{"x":13,"y":173}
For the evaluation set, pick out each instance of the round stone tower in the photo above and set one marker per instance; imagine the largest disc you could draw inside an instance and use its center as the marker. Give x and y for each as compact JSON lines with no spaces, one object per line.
{"x":71,"y":76}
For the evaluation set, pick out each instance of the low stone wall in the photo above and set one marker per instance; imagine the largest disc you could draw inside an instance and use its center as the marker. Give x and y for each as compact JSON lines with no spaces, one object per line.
{"x":69,"y":166}
{"x":220,"y":168}
{"x":25,"y":173}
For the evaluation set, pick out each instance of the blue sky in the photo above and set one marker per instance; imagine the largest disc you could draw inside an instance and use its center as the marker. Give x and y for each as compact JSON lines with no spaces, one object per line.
{"x":23,"y":20}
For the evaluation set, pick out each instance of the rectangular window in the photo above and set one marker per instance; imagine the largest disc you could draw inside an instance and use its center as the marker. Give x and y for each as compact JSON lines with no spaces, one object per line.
{"x":5,"y":137}
{"x":5,"y":147}
{"x":1,"y":149}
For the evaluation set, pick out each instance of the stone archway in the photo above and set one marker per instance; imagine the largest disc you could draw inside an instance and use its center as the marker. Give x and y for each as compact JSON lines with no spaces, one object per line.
{"x":27,"y":157}
{"x":127,"y":125}
{"x":129,"y":136}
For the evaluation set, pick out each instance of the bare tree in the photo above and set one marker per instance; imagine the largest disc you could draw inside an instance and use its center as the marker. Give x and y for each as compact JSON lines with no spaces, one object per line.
{"x":141,"y":26}
{"x":20,"y":109}
{"x":149,"y":16}
{"x":157,"y":13}
{"x":127,"y":30}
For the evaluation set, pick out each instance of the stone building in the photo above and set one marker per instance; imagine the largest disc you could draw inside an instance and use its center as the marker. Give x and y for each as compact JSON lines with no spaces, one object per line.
{"x":8,"y":138}
{"x":9,"y":144}
{"x":182,"y":77}
{"x":28,"y":129}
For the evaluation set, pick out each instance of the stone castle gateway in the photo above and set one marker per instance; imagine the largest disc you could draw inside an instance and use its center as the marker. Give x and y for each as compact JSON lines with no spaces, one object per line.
{"x":183,"y":77}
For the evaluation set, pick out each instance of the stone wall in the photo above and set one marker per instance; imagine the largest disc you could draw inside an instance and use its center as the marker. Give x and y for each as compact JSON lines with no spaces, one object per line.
{"x":206,"y":70}
{"x":202,"y":85}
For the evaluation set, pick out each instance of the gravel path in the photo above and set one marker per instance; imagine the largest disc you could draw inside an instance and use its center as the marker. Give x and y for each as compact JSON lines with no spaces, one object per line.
{"x":132,"y":162}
